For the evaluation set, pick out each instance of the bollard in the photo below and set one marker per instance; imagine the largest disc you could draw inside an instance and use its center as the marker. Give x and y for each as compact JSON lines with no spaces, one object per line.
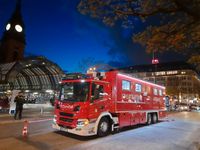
{"x":25,"y":129}
{"x":41,"y":110}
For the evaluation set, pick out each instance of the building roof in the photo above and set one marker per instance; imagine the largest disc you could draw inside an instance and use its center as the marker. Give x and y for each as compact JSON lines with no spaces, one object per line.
{"x":160,"y":67}
{"x":33,"y":73}
{"x":5,"y":68}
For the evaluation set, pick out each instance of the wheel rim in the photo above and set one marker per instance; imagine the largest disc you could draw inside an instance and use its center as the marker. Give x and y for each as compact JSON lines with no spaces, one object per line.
{"x":104,"y":127}
{"x":149,"y":119}
{"x":154,"y":118}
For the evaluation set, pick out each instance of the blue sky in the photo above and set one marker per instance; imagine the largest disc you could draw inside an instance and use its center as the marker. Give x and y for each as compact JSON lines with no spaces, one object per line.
{"x":56,"y":30}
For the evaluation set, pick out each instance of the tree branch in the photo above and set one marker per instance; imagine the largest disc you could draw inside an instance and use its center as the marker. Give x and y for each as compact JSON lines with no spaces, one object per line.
{"x":180,"y":29}
{"x":183,"y":6}
{"x":159,"y":10}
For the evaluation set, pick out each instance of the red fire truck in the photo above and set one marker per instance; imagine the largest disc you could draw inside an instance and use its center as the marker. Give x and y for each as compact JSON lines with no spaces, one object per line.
{"x":107,"y":102}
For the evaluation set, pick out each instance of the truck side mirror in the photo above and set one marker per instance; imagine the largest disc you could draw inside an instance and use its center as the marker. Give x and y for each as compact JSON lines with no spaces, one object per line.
{"x":91,"y":100}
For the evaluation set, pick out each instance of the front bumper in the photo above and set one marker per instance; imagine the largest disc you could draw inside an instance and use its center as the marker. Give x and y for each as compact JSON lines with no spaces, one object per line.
{"x":87,"y":130}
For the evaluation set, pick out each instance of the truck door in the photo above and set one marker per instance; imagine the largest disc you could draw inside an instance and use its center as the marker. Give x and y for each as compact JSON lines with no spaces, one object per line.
{"x":98,"y":100}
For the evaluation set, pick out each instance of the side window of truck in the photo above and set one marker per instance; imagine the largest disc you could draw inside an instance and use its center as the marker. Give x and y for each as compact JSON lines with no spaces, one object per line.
{"x":155,"y":91}
{"x":97,"y":91}
{"x":147,"y":90}
{"x":160,"y":93}
{"x":138,"y":87}
{"x":126,"y":85}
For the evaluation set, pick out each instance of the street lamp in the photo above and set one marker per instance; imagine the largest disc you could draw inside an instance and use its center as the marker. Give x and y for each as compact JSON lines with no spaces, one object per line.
{"x":154,"y":61}
{"x":0,"y":74}
{"x":91,"y":70}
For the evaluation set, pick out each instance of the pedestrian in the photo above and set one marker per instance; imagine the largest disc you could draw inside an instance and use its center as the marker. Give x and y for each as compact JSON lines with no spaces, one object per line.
{"x":19,"y":100}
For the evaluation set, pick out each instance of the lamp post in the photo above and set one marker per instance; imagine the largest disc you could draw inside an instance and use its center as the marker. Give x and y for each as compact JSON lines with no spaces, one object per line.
{"x":155,"y":61}
{"x":0,"y":74}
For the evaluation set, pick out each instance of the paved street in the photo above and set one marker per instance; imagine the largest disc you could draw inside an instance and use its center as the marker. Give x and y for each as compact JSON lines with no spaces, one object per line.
{"x":181,"y":131}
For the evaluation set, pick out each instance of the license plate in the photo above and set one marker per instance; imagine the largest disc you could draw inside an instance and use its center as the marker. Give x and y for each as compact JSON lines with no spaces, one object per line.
{"x":63,"y":129}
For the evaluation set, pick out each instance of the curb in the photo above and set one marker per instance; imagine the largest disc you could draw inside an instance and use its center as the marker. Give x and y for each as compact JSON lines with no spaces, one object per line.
{"x":31,"y":120}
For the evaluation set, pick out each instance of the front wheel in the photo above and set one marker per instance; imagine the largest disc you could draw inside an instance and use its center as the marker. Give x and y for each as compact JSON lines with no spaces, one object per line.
{"x":103,"y":127}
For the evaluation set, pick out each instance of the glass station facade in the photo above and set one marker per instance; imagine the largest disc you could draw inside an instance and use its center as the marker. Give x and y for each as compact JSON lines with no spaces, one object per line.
{"x":37,"y":77}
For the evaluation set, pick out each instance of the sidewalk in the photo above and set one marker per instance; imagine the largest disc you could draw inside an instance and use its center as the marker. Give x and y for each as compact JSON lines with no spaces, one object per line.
{"x":30,"y":114}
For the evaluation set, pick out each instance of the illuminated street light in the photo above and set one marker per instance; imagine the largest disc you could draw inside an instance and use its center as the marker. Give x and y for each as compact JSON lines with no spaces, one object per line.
{"x":49,"y":91}
{"x":91,"y":70}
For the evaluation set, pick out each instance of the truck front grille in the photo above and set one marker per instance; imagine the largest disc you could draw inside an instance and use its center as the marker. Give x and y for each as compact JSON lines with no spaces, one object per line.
{"x":66,"y":114}
{"x":66,"y":119}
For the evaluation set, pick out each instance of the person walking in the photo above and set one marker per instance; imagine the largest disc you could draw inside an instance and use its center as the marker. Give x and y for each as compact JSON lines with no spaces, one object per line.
{"x":19,"y":100}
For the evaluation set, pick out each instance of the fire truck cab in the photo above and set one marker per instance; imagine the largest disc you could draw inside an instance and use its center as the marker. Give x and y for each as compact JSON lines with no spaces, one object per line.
{"x":98,"y":105}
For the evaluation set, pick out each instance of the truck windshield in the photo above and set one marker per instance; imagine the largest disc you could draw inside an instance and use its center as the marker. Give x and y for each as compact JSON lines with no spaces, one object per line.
{"x":74,"y":92}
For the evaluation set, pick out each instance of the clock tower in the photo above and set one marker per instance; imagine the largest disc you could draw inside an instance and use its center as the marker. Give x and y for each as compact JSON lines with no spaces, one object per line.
{"x":13,"y":40}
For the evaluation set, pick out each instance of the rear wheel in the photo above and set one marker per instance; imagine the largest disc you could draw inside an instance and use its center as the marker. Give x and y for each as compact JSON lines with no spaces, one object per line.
{"x":155,"y":118}
{"x":149,"y":119}
{"x":103,"y":127}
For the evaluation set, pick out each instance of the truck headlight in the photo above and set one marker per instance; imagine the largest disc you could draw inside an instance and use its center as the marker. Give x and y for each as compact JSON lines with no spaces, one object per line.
{"x":82,"y":122}
{"x":54,"y":118}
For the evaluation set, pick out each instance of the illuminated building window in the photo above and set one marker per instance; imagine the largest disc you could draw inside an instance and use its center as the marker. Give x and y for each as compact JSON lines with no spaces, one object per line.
{"x":160,"y":73}
{"x":183,"y":72}
{"x":172,"y":72}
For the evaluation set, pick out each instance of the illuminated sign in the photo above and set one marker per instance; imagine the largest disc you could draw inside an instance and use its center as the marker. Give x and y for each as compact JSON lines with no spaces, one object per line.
{"x":172,"y":72}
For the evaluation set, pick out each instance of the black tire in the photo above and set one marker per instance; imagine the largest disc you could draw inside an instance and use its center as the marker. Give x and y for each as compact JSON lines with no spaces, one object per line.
{"x":103,"y":127}
{"x":155,"y":118}
{"x":149,"y":119}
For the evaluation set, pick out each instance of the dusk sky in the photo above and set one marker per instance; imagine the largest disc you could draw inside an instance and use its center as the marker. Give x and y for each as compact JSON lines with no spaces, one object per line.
{"x":56,"y":30}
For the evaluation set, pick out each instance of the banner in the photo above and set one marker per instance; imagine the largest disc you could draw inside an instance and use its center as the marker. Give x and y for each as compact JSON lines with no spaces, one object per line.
{"x":12,"y":103}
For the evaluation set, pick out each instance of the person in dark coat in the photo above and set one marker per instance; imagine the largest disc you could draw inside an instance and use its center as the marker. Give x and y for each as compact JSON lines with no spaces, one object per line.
{"x":19,"y":100}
